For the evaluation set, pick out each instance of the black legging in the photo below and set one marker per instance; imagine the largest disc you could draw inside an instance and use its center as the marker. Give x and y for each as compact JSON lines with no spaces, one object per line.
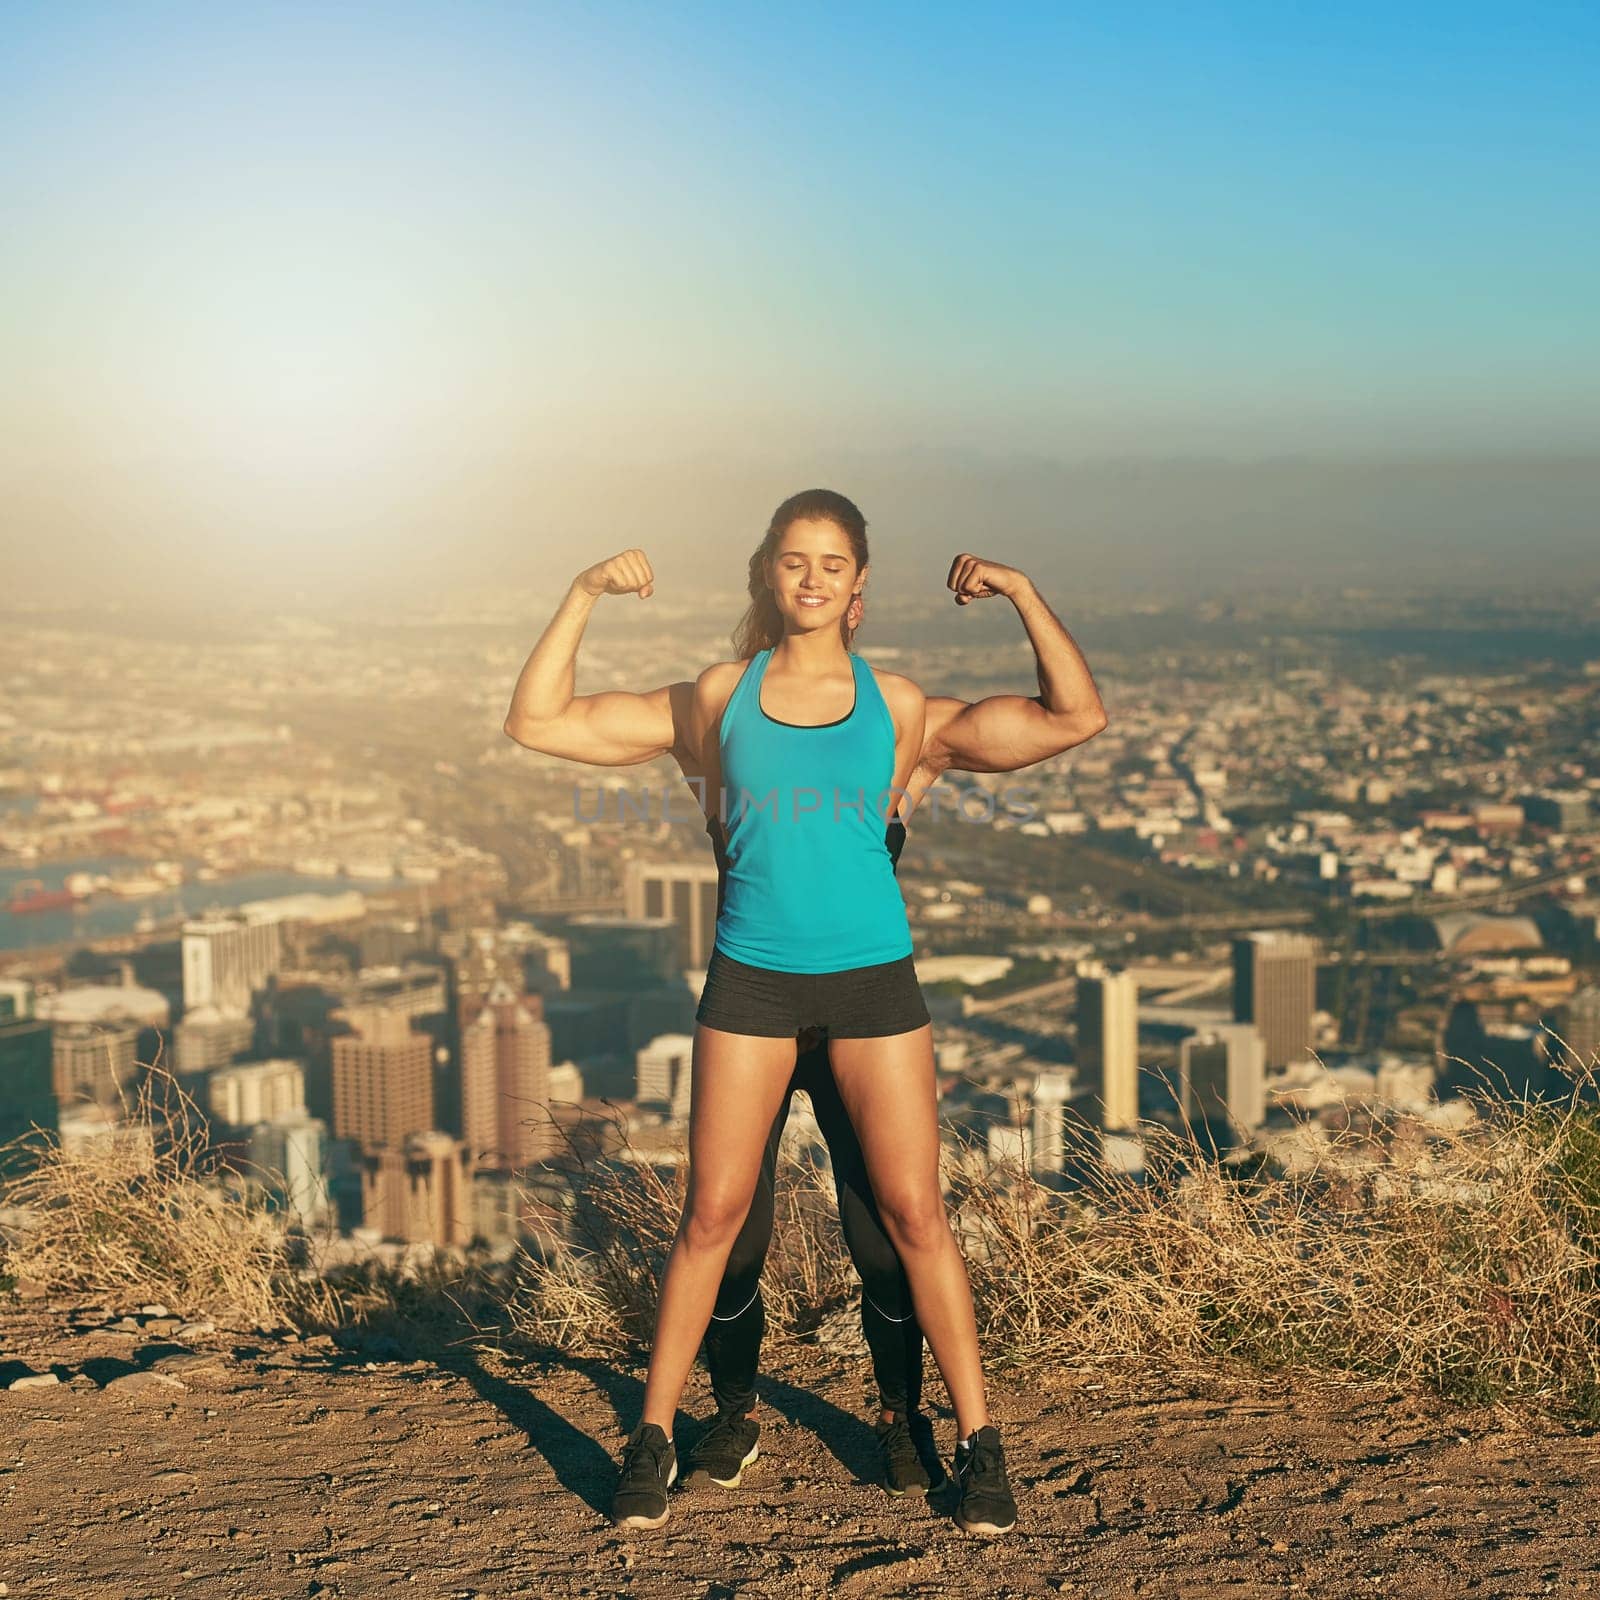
{"x":733,"y":1338}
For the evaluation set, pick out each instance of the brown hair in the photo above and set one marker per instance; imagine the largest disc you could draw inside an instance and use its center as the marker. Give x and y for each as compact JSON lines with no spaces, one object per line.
{"x":761,"y":626}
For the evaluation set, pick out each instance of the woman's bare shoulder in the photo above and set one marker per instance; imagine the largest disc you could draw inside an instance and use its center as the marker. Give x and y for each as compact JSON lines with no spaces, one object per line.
{"x":899,"y":690}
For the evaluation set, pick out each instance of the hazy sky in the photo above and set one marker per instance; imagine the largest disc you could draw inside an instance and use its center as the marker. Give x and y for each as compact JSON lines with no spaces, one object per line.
{"x":419,"y":291}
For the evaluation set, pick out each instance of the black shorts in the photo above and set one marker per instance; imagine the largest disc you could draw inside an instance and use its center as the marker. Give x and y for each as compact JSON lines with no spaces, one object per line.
{"x":857,"y":1003}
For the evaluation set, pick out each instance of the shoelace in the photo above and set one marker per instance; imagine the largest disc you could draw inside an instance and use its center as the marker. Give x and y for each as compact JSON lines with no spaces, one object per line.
{"x":724,"y":1430}
{"x":984,"y":1462}
{"x":641,"y":1451}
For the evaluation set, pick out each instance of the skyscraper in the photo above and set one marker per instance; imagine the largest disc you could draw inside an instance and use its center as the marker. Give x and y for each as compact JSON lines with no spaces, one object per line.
{"x":1275,"y":987}
{"x":287,"y":1155}
{"x":480,"y":958}
{"x":505,"y":1078}
{"x":1051,"y":1090}
{"x":686,"y":892}
{"x":1222,"y":1080}
{"x":27,"y":1080}
{"x":227,"y":958}
{"x":420,"y":1191}
{"x":208,"y":1038}
{"x":1579,"y":1027}
{"x":662,"y":1065}
{"x":382,"y":1080}
{"x":623,"y":953}
{"x":256,"y":1091}
{"x":1108,"y":1043}
{"x":93,"y":1061}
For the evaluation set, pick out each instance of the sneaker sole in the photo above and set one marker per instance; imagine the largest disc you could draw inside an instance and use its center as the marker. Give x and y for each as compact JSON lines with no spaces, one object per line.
{"x":700,"y":1475}
{"x":984,"y":1530}
{"x":641,"y":1522}
{"x":922,"y":1490}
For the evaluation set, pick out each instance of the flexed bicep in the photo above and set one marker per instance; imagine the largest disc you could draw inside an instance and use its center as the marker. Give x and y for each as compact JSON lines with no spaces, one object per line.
{"x":612,"y":729}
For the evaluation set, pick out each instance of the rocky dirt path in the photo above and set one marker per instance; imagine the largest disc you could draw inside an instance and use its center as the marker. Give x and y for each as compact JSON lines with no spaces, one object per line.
{"x":250,"y":1467}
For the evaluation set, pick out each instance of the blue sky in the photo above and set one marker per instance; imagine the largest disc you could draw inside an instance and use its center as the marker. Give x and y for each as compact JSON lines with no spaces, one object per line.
{"x":343,"y":258}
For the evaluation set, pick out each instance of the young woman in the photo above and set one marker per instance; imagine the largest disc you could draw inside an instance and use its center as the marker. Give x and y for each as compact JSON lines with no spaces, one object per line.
{"x":999,"y":734}
{"x":813,"y":932}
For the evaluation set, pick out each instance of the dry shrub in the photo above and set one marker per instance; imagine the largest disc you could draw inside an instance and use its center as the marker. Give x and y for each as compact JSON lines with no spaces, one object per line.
{"x":138,"y":1213}
{"x":595,"y":1288}
{"x":1465,"y":1259}
{"x":424,"y":1301}
{"x":1468,"y":1264}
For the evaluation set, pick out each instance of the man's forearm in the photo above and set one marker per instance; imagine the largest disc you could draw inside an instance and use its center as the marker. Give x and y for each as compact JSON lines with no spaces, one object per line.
{"x":548,"y":677}
{"x":1066,"y":686}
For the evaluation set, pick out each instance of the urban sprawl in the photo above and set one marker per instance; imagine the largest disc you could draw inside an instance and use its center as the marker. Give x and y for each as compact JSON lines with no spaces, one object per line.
{"x":1326,"y":880}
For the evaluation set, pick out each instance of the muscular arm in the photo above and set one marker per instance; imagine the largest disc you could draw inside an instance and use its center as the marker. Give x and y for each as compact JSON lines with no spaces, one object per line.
{"x":1003,"y":733}
{"x":612,"y":729}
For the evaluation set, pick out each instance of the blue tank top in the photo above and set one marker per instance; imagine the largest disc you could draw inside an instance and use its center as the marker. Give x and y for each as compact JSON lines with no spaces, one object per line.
{"x":810,"y":883}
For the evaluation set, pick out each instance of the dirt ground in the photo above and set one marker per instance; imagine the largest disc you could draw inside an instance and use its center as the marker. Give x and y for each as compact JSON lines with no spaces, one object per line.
{"x":252,"y":1466}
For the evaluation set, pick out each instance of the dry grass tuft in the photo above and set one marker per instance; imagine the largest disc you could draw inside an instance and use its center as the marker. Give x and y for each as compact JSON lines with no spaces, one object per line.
{"x":1460,"y":1268}
{"x":1465,"y":1259}
{"x":136,"y":1215}
{"x":595,"y":1290}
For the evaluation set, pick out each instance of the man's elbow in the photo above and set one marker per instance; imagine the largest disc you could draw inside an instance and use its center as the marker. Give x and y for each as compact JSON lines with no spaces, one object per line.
{"x":1078,"y":727}
{"x":521,"y":731}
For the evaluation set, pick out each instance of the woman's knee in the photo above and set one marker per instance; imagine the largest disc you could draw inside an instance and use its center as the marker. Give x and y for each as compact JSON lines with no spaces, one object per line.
{"x":914,"y":1219}
{"x":713,"y":1217}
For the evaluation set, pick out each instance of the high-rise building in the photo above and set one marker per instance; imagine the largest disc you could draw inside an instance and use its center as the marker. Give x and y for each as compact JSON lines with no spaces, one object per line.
{"x":546,"y":960}
{"x":1051,"y":1091}
{"x":286,"y":1153}
{"x":505,"y":1078}
{"x":256,"y":1091}
{"x":1275,"y":987}
{"x":93,"y":1060}
{"x":419,"y":1192}
{"x":1108,"y":1043}
{"x":392,"y":941}
{"x":1010,"y":1146}
{"x":382,"y":1080}
{"x":16,"y":999}
{"x":416,"y":990}
{"x":27,"y":1081}
{"x":683,"y":1091}
{"x":1562,"y":810}
{"x":208,"y":1038}
{"x":1222,"y":1080}
{"x":661,"y":1065}
{"x":686,"y":892}
{"x":566,"y":1083}
{"x":227,"y":958}
{"x":623,"y":953}
{"x":1579,"y":1027}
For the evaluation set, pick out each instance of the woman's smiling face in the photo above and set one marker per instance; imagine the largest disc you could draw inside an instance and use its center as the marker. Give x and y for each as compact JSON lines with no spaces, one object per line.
{"x":814,"y":574}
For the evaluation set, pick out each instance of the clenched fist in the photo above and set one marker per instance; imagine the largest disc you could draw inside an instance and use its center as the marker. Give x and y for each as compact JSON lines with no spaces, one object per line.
{"x":628,"y":573}
{"x":975,"y":579}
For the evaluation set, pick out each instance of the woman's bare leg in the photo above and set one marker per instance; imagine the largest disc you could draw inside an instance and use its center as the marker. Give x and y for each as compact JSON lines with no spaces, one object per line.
{"x":888,"y":1088}
{"x":739,"y":1083}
